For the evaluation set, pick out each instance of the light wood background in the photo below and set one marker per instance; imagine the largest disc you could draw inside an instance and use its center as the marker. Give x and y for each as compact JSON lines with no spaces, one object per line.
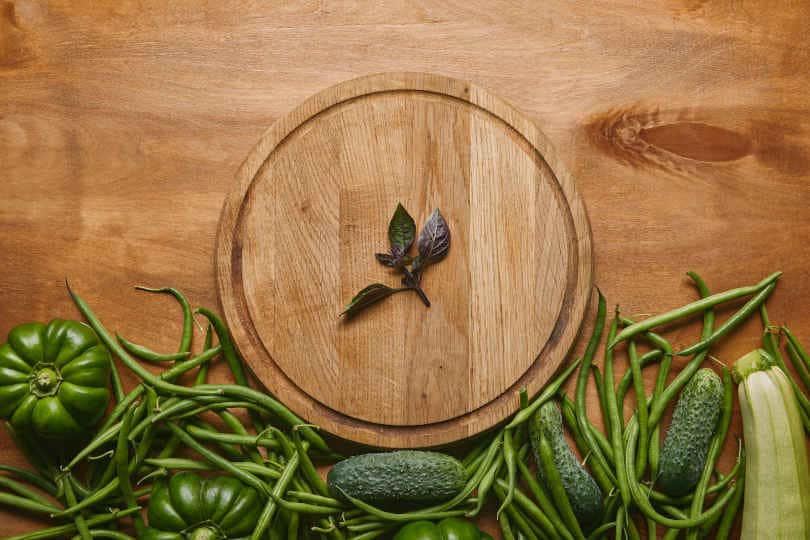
{"x":685,"y":122}
{"x":310,"y":206}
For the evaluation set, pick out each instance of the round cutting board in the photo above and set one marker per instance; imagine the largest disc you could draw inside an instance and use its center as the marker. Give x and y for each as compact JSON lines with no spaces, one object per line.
{"x":311,"y":206}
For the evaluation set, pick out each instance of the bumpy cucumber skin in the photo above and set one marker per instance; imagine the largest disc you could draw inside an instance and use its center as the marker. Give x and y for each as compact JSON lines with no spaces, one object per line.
{"x":582,"y":490}
{"x":694,"y":422}
{"x":406,"y":476}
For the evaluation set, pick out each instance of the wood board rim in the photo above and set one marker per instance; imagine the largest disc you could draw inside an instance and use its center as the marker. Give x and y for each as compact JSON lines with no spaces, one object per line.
{"x":228,"y":269}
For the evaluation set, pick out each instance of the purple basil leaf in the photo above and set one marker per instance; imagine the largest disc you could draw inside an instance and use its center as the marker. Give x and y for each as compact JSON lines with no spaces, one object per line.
{"x":401,"y":231}
{"x":434,"y":240}
{"x":371,"y":294}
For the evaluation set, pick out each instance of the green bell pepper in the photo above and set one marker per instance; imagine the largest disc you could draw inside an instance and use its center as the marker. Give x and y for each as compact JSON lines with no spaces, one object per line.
{"x":54,"y":379}
{"x":194,"y":508}
{"x":447,"y":529}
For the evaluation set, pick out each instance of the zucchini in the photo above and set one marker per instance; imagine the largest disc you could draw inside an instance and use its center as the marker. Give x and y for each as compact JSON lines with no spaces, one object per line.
{"x":392,"y":478}
{"x":694,"y":422}
{"x":777,"y":481}
{"x":582,"y":490}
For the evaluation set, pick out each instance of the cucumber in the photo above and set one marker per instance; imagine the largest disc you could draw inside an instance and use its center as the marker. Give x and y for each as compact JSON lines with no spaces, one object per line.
{"x":694,"y":422}
{"x":392,"y":478}
{"x":582,"y":490}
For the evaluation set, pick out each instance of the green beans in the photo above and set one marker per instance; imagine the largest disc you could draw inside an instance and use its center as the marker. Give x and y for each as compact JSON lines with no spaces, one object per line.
{"x":641,"y":407}
{"x":799,"y":364}
{"x":62,"y":530}
{"x":506,"y":527}
{"x":570,"y":416}
{"x":292,"y":526}
{"x":643,"y":503}
{"x":599,"y":474}
{"x":773,"y":348}
{"x":511,"y":469}
{"x":307,"y":467}
{"x":476,"y":453}
{"x":616,"y":419}
{"x":627,"y":379}
{"x":794,"y":342}
{"x":532,"y":510}
{"x":548,"y":392}
{"x":718,"y":486}
{"x":23,"y":491}
{"x":554,"y":483}
{"x":270,"y":405}
{"x":519,"y":520}
{"x":236,"y":426}
{"x":601,"y":530}
{"x":130,"y":362}
{"x":122,"y":469}
{"x":304,"y":508}
{"x":228,"y":350}
{"x":230,"y":355}
{"x":731,"y":323}
{"x":202,"y":374}
{"x":731,"y":511}
{"x":315,"y":499}
{"x":692,"y":308}
{"x":543,"y":500}
{"x":115,"y":379}
{"x":600,"y":392}
{"x":582,"y":380}
{"x":242,"y":440}
{"x":218,"y":460}
{"x":24,"y":503}
{"x":193,"y":465}
{"x":487,"y":481}
{"x":278,"y":490}
{"x":78,"y":519}
{"x":32,"y":478}
{"x":188,"y":328}
{"x":621,"y":516}
{"x":659,"y":405}
{"x":144,"y":353}
{"x":410,"y":516}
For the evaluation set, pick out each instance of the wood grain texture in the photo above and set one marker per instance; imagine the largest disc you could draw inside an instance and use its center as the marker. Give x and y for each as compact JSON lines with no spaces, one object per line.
{"x":310,"y":206}
{"x":122,"y":125}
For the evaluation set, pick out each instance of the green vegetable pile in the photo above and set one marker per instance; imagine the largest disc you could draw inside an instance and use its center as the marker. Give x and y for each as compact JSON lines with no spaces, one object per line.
{"x":225,"y":461}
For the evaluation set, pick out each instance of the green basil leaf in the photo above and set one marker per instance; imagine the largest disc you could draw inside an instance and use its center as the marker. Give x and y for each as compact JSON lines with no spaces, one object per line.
{"x":401,"y":231}
{"x":371,"y":294}
{"x":386,"y":259}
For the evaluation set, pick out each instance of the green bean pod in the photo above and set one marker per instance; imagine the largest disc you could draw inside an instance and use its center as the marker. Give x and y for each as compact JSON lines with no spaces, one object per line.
{"x":147,"y":354}
{"x":643,"y":503}
{"x":115,"y":347}
{"x":188,"y":319}
{"x":616,"y":419}
{"x":548,"y":393}
{"x":530,"y":509}
{"x":695,"y":307}
{"x":62,"y":530}
{"x":731,"y":323}
{"x":554,"y":483}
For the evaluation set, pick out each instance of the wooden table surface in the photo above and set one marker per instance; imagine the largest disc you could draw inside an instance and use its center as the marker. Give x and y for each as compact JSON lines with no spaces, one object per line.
{"x":685,"y":122}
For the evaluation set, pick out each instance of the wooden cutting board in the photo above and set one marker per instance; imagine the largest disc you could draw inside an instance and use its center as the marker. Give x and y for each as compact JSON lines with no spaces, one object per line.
{"x":309,"y":208}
